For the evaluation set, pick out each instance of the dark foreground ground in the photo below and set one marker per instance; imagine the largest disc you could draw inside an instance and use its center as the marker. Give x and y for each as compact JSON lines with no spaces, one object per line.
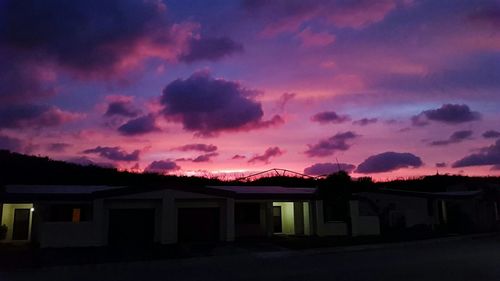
{"x":472,"y":258}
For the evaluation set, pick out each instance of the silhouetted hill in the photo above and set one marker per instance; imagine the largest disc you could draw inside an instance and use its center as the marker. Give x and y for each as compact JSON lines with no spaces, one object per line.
{"x":17,"y":168}
{"x":441,"y":183}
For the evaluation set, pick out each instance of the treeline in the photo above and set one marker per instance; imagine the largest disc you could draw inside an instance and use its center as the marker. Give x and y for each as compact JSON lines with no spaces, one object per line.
{"x":17,"y":168}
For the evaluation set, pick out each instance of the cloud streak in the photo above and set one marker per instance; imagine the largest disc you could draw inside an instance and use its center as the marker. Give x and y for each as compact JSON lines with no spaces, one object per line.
{"x":320,"y":169}
{"x":327,"y":147}
{"x":448,"y":113}
{"x":114,"y":153}
{"x":267,"y":155}
{"x":487,"y":156}
{"x":329,"y":117}
{"x":456,"y":137}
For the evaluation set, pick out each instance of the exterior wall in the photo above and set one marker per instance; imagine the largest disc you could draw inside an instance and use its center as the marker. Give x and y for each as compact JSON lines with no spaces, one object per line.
{"x":8,"y":219}
{"x":296,"y":219}
{"x":333,"y":228}
{"x":165,"y":203}
{"x":68,"y":234}
{"x":363,"y":225}
{"x":306,"y":207}
{"x":166,"y":215}
{"x":252,"y":230}
{"x":414,"y":209}
{"x":223,"y":217}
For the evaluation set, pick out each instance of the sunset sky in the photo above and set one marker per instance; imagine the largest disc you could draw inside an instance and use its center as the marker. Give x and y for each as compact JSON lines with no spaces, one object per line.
{"x":387,"y":89}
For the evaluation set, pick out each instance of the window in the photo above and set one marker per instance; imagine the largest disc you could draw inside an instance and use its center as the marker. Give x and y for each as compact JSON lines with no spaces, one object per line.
{"x":365,"y":209}
{"x":69,"y":213}
{"x":247,"y":213}
{"x":335,"y":211}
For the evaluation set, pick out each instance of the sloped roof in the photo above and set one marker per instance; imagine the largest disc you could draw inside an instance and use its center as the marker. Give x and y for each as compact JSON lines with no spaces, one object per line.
{"x":21,"y":193}
{"x":268,"y":192}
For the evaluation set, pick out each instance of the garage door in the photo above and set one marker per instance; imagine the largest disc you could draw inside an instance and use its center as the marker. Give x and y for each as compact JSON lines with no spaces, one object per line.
{"x":198,"y":224}
{"x":131,"y":227}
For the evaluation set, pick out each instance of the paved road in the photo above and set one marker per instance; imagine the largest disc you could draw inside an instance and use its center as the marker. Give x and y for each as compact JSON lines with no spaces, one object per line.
{"x":467,"y":259}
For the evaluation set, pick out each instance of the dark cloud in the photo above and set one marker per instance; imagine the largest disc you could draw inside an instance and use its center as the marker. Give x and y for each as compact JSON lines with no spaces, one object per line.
{"x":289,"y":16}
{"x":329,"y":117}
{"x":237,"y":157}
{"x":21,"y":81}
{"x":365,"y":121}
{"x":388,"y":161}
{"x":208,"y":106}
{"x":12,"y":144}
{"x":448,"y":113}
{"x":491,"y":134}
{"x":210,"y":49}
{"x":201,"y":158}
{"x":319,"y":169}
{"x":30,"y":115}
{"x":139,"y":126}
{"x":205,"y":157}
{"x":456,"y":137}
{"x":58,"y":147}
{"x":487,"y":16}
{"x":441,"y":165}
{"x":197,"y":147}
{"x":121,"y":108}
{"x":114,"y":153}
{"x":85,"y":161}
{"x":284,"y":99}
{"x":327,"y":147}
{"x":162,"y":167}
{"x":90,"y":36}
{"x":477,"y":73}
{"x":268,"y":154}
{"x":487,"y":156}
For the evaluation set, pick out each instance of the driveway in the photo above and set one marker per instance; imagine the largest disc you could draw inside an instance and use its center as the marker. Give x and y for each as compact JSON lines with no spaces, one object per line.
{"x":451,"y":259}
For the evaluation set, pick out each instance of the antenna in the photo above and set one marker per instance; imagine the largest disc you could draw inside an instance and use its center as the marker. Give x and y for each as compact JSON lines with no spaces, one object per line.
{"x":338,"y":165}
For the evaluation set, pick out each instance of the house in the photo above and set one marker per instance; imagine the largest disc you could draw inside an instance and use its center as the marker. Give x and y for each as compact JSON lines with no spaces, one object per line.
{"x":85,"y":216}
{"x":452,"y":211}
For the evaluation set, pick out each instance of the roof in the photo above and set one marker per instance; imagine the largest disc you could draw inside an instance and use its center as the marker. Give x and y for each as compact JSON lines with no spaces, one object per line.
{"x":431,"y":195}
{"x":54,"y":192}
{"x":19,"y":193}
{"x":267,"y":192}
{"x":57,"y":189}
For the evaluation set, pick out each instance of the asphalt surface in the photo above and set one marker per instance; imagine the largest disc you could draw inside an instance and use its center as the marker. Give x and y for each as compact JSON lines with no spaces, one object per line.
{"x":451,"y":259}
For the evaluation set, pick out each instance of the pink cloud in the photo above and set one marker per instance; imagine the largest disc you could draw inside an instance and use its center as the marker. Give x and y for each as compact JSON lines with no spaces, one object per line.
{"x":267,"y":155}
{"x":310,"y":38}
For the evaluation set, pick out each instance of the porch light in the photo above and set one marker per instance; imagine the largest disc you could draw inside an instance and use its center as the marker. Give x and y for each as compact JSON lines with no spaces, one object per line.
{"x":32,"y":209}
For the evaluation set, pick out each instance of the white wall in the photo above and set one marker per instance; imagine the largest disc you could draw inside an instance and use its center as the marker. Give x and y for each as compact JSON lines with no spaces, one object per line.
{"x":414,"y":209}
{"x":363,"y":225}
{"x":68,"y":234}
{"x":327,"y":228}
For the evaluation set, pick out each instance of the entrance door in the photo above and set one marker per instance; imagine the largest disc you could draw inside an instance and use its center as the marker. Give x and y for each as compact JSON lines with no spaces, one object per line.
{"x":278,"y":225}
{"x":21,"y":226}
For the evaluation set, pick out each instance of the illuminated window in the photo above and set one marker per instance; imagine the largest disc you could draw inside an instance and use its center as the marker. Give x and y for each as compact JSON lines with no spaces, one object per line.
{"x":69,"y":213}
{"x":76,"y":215}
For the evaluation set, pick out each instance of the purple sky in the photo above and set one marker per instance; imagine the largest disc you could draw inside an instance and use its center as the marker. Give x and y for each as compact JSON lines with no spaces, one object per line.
{"x":388,"y":89}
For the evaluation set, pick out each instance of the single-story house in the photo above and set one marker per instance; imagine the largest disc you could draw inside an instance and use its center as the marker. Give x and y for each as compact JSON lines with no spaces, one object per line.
{"x":84,"y":216}
{"x":453,"y":211}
